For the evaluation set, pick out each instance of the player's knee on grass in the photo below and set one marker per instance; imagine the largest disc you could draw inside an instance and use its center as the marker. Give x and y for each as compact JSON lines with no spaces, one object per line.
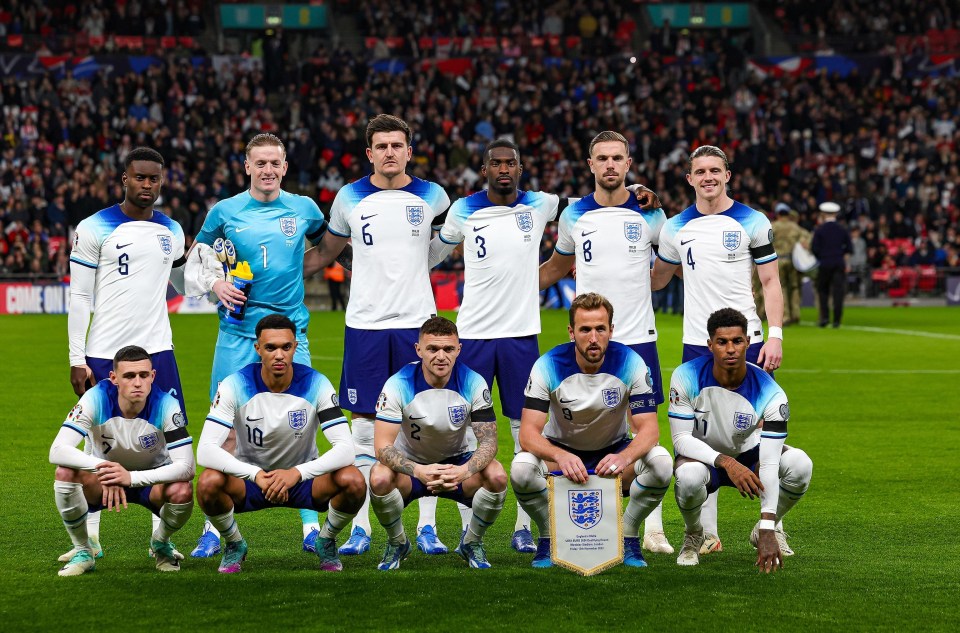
{"x":178,"y":492}
{"x":691,"y":485}
{"x":495,"y":477}
{"x":527,"y":473}
{"x":796,"y":470}
{"x":382,"y":480}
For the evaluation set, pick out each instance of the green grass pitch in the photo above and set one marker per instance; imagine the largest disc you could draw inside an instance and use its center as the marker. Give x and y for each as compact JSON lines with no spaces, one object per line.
{"x":874,"y":404}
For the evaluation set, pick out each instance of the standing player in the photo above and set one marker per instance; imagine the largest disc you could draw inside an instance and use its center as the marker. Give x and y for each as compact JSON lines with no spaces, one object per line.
{"x":610,"y":236}
{"x":389,"y":215}
{"x":591,"y":387}
{"x":122,"y":258}
{"x":422,"y":447}
{"x":718,"y":241}
{"x":729,"y":421}
{"x":143,"y":431}
{"x":275,"y":408}
{"x":499,"y":318}
{"x":267,"y":226}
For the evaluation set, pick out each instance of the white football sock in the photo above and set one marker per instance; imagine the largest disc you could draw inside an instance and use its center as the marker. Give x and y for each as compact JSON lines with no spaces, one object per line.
{"x":690,"y":489}
{"x":530,"y":487}
{"x":428,"y":512}
{"x":73,"y":510}
{"x":173,"y":516}
{"x":227,"y":526}
{"x":646,"y":492}
{"x":486,"y":508}
{"x":466,"y":514}
{"x":389,"y":511}
{"x":708,"y":514}
{"x":334,"y":523}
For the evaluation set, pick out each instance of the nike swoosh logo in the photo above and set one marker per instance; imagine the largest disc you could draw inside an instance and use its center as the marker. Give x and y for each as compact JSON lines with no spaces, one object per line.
{"x":249,"y":419}
{"x":367,"y":217}
{"x":420,"y":418}
{"x":586,"y":233}
{"x":119,"y":246}
{"x":699,"y":411}
{"x":682,"y":243}
{"x":106,"y":437}
{"x":562,"y":401}
{"x":477,"y":228}
{"x":239,"y":230}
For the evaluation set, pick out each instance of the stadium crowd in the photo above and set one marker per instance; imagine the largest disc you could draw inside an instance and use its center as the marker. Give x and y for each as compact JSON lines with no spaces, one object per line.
{"x":883,"y":146}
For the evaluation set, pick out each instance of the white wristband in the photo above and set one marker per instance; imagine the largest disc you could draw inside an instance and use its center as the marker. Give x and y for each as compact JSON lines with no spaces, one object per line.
{"x":767,"y":524}
{"x":775,"y":332}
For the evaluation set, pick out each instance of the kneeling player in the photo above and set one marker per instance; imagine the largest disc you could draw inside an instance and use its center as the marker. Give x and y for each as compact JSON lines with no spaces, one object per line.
{"x":421,"y":442}
{"x":728,"y":419}
{"x":275,"y":407}
{"x":150,"y":459}
{"x":590,"y":387}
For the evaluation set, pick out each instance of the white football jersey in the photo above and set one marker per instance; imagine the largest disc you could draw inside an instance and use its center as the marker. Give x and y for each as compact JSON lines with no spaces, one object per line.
{"x":589,"y":411}
{"x":276,"y":430}
{"x":501,"y":254}
{"x":434,"y":422}
{"x":132,"y":260}
{"x":613,"y":248}
{"x":717,"y":253}
{"x":141,"y":443}
{"x":391,"y":231}
{"x":727,"y":421}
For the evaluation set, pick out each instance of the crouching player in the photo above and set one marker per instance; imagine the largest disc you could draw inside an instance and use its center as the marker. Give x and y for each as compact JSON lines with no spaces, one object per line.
{"x":274,"y":408}
{"x":420,"y":437}
{"x":728,"y":419}
{"x":591,"y":388}
{"x":140,"y":452}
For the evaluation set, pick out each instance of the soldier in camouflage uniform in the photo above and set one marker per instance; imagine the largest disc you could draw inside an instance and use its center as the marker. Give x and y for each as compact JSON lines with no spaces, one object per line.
{"x":786,"y":234}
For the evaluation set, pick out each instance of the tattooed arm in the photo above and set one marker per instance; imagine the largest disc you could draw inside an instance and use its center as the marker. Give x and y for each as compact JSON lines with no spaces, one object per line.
{"x":484,"y":424}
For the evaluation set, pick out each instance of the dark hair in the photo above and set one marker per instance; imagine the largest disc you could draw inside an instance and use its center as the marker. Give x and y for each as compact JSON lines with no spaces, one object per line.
{"x":142,"y":153}
{"x":708,"y":150}
{"x":263,"y":140}
{"x":387,"y":123}
{"x":606,"y":136}
{"x":130,"y":354}
{"x":591,"y":301}
{"x":726,"y":317}
{"x":275,"y":322}
{"x":500,"y":142}
{"x":438,"y":326}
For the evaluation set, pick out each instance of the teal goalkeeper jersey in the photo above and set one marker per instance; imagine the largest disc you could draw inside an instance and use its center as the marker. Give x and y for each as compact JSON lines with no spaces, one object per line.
{"x":270,"y":236}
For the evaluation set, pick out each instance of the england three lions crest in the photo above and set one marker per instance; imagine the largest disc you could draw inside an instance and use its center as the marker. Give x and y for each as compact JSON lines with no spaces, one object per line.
{"x":632,"y":231}
{"x":149,"y":441}
{"x":586,"y":508}
{"x":731,"y":240}
{"x":458,"y":414}
{"x":298,"y":419}
{"x":288,"y":226}
{"x":524,"y":221}
{"x":166,"y":244}
{"x":611,"y":397}
{"x":742,"y":421}
{"x":415,"y":215}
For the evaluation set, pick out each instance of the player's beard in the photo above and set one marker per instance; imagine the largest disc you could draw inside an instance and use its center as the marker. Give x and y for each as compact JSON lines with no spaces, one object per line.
{"x":607,"y":186}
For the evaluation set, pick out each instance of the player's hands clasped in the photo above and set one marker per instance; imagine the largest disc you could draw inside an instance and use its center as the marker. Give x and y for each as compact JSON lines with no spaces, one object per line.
{"x":228,"y":294}
{"x":769,"y":558}
{"x":276,"y":484}
{"x":112,"y":474}
{"x":746,"y":481}
{"x":572,"y":468}
{"x":440,"y":477}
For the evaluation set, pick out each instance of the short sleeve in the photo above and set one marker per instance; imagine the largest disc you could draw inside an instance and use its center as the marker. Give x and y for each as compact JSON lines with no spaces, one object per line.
{"x":680,"y":406}
{"x":440,"y":201}
{"x":452,"y":231}
{"x":212,"y":226}
{"x":389,"y":404}
{"x":565,"y":244}
{"x":339,"y":212}
{"x":668,"y":251}
{"x":179,"y":245}
{"x":81,"y":416}
{"x":86,"y":246}
{"x":328,"y":405}
{"x":655,"y":220}
{"x":537,"y":385}
{"x":761,"y":240}
{"x":776,"y":414}
{"x":223,"y":410}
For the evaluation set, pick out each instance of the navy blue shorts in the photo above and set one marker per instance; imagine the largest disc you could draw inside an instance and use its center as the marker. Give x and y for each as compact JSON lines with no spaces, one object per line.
{"x":300,"y":496}
{"x":509,"y":360}
{"x":139,"y":496}
{"x":690,"y":352}
{"x":718,"y":476}
{"x":370,"y":357}
{"x":417,"y":489}
{"x":648,"y":352}
{"x":168,"y":376}
{"x":590,"y":459}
